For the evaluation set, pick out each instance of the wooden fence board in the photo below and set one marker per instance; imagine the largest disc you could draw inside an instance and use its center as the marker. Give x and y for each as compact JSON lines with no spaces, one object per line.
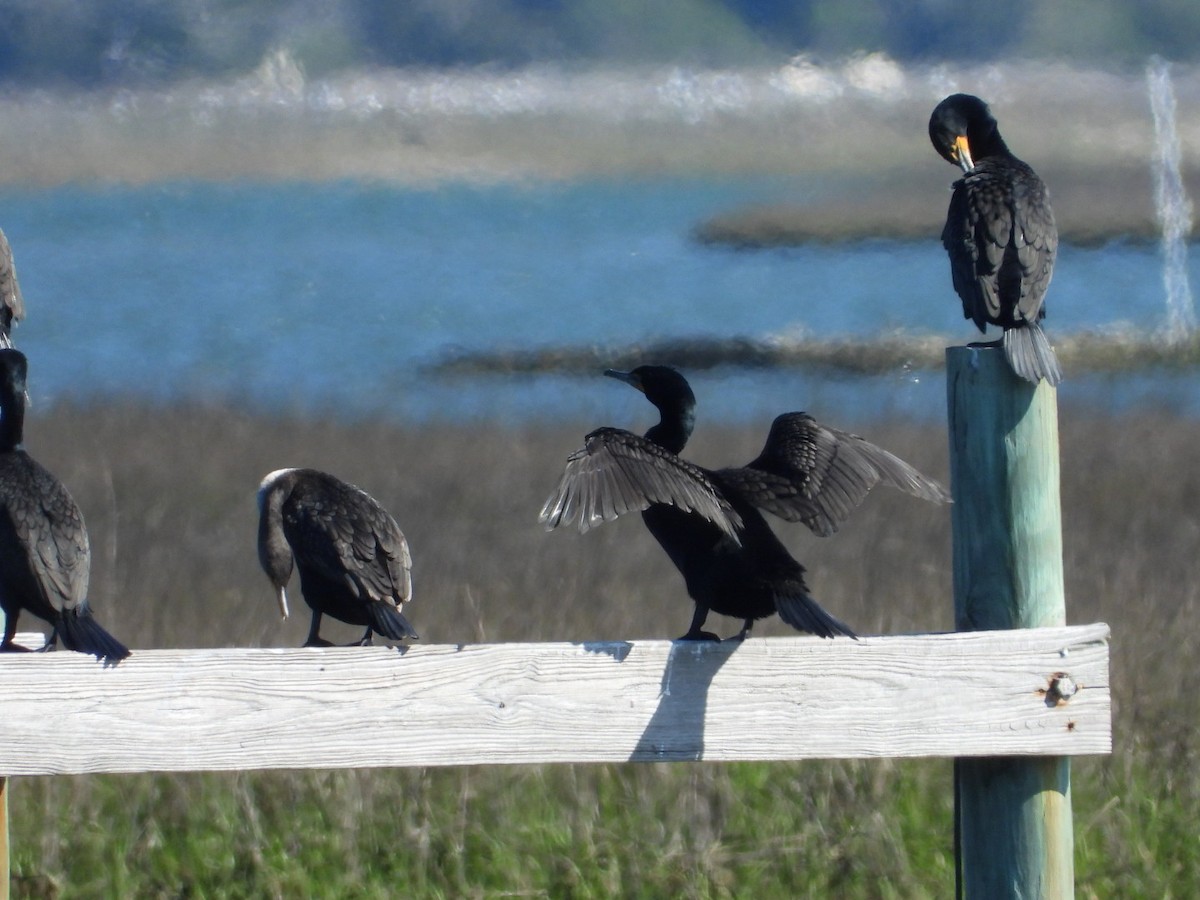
{"x":965,"y":694}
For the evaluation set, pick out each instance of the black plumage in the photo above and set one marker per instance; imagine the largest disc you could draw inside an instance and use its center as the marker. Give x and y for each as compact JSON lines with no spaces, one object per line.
{"x":12,"y":306}
{"x":710,"y":522}
{"x":44,"y":551}
{"x":353,"y":560}
{"x":1000,"y":234}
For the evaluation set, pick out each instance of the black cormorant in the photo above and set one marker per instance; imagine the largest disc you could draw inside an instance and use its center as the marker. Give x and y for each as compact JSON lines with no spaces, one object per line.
{"x":44,"y":551}
{"x":709,"y":522}
{"x":1000,"y":234}
{"x":12,"y":307}
{"x":353,"y":559}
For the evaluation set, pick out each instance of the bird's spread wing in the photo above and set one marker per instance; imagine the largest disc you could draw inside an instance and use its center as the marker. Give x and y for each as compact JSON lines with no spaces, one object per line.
{"x":816,"y":475}
{"x":616,"y":472}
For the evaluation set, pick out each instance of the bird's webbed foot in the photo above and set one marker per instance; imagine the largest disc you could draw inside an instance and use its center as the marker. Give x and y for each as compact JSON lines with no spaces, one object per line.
{"x":366,"y":640}
{"x":700,"y":636}
{"x":10,"y":647}
{"x":317,"y":641}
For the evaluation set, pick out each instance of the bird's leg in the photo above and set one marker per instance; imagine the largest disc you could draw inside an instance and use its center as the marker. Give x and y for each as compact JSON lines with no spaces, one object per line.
{"x":695,"y":632}
{"x":314,"y":636}
{"x":10,"y":632}
{"x":51,"y":642}
{"x":744,"y":633}
{"x":365,"y":641}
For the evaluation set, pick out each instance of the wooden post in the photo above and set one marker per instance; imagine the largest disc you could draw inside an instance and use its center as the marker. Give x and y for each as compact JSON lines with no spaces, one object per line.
{"x":5,"y":875}
{"x":1013,"y":815}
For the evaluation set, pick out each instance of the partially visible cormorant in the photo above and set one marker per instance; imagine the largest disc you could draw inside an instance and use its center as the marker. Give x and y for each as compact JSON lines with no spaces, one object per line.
{"x":353,"y":559}
{"x":709,"y":522}
{"x":44,"y":551}
{"x":1000,"y":234}
{"x":12,"y":307}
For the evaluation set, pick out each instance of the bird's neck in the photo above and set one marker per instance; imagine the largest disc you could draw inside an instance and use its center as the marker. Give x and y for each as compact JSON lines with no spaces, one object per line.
{"x":991,"y":145}
{"x":12,"y":422}
{"x":674,"y":427}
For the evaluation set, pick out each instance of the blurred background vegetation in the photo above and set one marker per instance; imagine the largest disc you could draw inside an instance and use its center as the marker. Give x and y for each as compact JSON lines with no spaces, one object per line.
{"x":94,"y":43}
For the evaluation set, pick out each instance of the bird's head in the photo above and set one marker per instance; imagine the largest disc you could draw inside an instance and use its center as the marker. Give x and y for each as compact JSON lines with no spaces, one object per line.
{"x":963,"y":130}
{"x":662,"y":385}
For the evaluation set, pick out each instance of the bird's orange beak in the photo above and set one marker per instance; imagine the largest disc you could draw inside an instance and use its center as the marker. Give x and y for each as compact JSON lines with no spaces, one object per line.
{"x":962,"y":153}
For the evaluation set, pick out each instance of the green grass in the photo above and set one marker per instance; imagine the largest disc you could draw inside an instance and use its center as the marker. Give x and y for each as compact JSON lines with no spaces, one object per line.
{"x":169,"y":496}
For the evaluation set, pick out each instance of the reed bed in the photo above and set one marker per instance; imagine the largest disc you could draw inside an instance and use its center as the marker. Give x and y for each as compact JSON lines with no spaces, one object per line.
{"x":169,"y":497}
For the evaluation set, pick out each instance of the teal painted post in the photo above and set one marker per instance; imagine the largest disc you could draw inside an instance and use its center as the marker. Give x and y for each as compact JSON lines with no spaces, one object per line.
{"x":5,"y":875}
{"x":1012,"y":815}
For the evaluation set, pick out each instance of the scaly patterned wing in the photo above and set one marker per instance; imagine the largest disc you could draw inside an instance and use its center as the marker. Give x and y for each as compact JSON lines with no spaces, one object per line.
{"x":616,"y":472}
{"x":346,"y":535}
{"x":1035,"y":236}
{"x":47,"y":551}
{"x":816,"y":475}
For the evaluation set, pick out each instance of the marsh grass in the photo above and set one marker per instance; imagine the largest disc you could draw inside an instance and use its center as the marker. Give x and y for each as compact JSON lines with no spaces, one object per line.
{"x":169,"y":497}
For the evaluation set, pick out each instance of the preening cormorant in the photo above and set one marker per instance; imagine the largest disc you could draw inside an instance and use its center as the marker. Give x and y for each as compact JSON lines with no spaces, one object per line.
{"x":44,"y":551}
{"x":1000,"y":234}
{"x":710,"y":522}
{"x":12,"y":307}
{"x":353,"y":559}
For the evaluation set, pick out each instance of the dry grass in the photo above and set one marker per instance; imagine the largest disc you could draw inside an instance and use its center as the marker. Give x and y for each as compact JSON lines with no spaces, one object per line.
{"x":169,"y":496}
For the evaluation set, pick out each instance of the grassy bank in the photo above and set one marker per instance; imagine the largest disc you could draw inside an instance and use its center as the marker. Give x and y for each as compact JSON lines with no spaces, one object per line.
{"x":169,"y":497}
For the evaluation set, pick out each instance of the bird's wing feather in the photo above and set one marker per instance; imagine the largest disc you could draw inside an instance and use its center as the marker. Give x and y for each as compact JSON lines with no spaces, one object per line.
{"x":617,"y":472}
{"x":345,"y":535}
{"x":816,"y":475}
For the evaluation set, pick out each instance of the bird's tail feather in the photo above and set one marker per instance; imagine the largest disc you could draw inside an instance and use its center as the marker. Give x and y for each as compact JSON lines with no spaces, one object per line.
{"x":1030,"y":355}
{"x":81,"y":632}
{"x":388,"y":621}
{"x":802,"y":612}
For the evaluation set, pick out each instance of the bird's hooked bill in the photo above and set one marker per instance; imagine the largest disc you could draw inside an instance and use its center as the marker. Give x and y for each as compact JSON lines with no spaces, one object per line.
{"x":962,"y":153}
{"x":283,"y":607}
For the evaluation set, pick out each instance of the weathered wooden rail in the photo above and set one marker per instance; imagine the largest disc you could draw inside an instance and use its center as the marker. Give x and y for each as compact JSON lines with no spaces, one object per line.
{"x":969,"y":694}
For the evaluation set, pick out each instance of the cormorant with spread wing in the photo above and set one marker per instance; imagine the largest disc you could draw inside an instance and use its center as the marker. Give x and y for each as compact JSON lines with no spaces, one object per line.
{"x":353,"y":559}
{"x":1000,"y":234}
{"x":710,"y":522}
{"x":44,"y":551}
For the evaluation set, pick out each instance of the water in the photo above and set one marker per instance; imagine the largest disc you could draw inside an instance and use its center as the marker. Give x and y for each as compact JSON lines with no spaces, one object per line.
{"x":1172,"y":203}
{"x":337,"y":298}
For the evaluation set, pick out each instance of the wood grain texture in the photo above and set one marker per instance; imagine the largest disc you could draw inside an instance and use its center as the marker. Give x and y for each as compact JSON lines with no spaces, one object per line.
{"x":981,"y":693}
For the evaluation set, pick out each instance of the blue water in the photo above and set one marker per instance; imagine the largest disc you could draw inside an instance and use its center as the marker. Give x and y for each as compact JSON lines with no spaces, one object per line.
{"x":336,"y":298}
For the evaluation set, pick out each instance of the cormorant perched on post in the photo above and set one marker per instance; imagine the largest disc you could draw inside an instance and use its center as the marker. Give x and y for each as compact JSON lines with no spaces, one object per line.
{"x":12,"y":307}
{"x":709,"y":522}
{"x":353,"y":559}
{"x":1000,"y":234}
{"x":44,"y":551}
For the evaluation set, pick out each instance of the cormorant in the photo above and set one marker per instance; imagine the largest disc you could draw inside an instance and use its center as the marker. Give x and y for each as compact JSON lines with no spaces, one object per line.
{"x":1000,"y":234}
{"x":12,"y":307}
{"x":44,"y":551}
{"x":709,"y":522}
{"x":353,"y":559}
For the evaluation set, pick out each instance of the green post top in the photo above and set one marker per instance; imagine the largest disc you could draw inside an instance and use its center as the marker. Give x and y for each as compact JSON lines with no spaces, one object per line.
{"x":1007,"y":514}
